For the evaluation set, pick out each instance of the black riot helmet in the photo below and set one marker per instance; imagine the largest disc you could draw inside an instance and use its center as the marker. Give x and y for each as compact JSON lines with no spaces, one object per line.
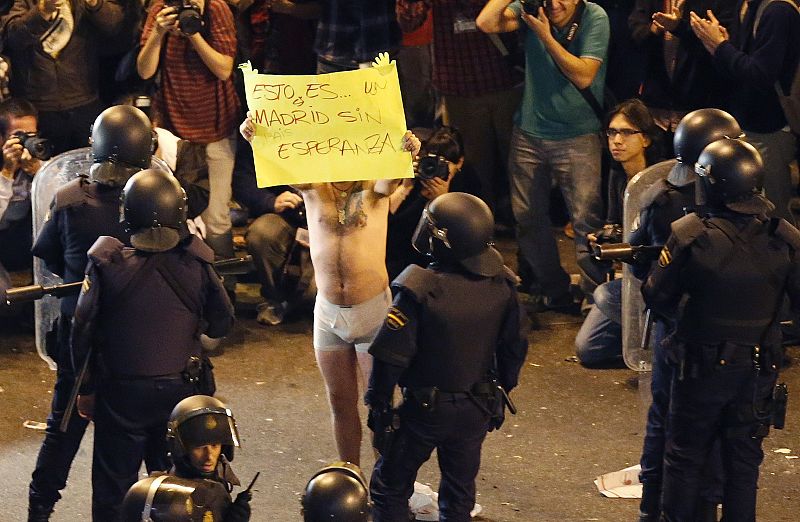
{"x":457,"y":228}
{"x":732,"y":175}
{"x":167,"y":498}
{"x":197,"y":421}
{"x":699,"y":128}
{"x":122,"y":144}
{"x":336,"y":493}
{"x":154,"y":210}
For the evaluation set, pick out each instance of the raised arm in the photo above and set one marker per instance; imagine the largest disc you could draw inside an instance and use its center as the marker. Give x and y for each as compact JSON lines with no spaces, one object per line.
{"x":496,"y":17}
{"x":385,"y":187}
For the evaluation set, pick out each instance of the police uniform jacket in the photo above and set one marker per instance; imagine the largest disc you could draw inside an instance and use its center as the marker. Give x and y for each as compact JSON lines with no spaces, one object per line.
{"x":140,"y":326}
{"x":735,"y":270}
{"x":445,"y":328}
{"x":80,"y":213}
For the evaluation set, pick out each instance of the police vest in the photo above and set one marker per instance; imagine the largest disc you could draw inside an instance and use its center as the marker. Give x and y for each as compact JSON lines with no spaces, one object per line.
{"x":459,"y":325}
{"x":148,"y":330}
{"x":735,"y":277}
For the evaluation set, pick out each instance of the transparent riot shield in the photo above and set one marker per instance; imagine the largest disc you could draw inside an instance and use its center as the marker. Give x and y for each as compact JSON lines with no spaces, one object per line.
{"x":636,"y":357}
{"x":52,"y":175}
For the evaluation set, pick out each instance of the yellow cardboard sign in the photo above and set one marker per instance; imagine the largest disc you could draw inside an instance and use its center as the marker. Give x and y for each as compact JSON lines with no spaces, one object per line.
{"x":342,"y":126}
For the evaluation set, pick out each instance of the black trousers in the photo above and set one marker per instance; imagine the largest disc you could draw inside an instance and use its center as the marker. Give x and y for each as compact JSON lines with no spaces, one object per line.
{"x":130,"y":425}
{"x":58,"y":449}
{"x":456,"y":429}
{"x":720,"y":403}
{"x":69,"y":129}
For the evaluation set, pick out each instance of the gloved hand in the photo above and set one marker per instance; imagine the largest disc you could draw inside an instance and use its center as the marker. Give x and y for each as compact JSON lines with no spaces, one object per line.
{"x":240,"y":509}
{"x":379,"y":418}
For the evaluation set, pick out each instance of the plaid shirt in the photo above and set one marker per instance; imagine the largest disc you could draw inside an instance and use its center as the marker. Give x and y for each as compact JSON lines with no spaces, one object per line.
{"x":467,"y":63}
{"x":192,"y":102}
{"x":355,"y":31}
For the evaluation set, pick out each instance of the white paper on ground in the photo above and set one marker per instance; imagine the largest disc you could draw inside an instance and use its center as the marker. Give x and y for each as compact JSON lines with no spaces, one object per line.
{"x":620,"y":484}
{"x":424,"y":503}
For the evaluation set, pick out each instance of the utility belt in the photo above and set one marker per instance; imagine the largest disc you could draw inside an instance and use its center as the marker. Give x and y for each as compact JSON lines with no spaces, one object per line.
{"x":763,"y":361}
{"x":696,"y":359}
{"x":198,"y":371}
{"x":489,"y":397}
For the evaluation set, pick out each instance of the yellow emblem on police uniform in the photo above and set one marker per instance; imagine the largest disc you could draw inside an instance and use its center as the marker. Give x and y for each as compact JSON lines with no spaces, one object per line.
{"x":665,"y":257}
{"x":86,"y":284}
{"x":211,"y":422}
{"x":396,"y":319}
{"x":208,"y":516}
{"x":189,"y":506}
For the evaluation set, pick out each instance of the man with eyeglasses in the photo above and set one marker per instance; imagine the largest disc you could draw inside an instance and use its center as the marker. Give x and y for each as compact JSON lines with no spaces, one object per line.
{"x":556,"y":136}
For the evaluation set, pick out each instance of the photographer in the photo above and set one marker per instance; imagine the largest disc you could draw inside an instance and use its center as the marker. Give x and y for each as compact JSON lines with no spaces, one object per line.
{"x":53,"y":46}
{"x":191,"y":45}
{"x":556,"y":136}
{"x":631,"y":133}
{"x":18,"y":122}
{"x":440,"y":159}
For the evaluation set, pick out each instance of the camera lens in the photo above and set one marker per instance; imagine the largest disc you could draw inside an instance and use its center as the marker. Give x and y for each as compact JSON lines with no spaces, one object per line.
{"x":190,"y":21}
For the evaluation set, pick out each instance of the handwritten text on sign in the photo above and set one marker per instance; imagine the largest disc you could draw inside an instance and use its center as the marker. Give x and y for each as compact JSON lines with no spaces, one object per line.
{"x":329,"y":127}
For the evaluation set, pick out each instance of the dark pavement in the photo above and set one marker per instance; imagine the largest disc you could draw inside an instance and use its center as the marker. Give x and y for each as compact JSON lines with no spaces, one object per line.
{"x":573,"y":425}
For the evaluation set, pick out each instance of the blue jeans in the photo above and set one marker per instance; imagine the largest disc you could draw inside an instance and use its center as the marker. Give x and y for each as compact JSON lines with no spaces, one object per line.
{"x":600,"y":338}
{"x":574,"y":164}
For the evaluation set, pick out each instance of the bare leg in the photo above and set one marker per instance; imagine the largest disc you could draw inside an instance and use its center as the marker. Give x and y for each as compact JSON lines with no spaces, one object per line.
{"x":340,"y":372}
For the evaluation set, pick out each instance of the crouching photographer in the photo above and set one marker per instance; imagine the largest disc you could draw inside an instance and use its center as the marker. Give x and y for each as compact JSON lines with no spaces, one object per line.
{"x":631,"y":132}
{"x":439,"y":160}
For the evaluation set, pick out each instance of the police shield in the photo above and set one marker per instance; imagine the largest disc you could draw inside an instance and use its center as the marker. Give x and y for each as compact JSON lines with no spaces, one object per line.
{"x":52,"y":175}
{"x":636,"y":357}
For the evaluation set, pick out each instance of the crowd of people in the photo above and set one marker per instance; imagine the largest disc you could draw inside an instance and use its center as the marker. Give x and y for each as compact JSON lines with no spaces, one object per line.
{"x":522,"y":104}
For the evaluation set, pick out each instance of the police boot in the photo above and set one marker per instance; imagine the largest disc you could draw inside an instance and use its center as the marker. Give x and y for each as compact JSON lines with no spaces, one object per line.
{"x":706,"y":511}
{"x":650,"y":506}
{"x":39,"y":512}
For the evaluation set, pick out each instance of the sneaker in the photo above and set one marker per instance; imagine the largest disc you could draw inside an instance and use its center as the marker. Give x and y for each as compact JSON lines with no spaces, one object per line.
{"x":270,"y":314}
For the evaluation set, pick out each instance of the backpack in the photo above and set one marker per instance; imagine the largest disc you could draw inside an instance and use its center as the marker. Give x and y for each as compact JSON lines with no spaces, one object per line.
{"x":790,"y":102}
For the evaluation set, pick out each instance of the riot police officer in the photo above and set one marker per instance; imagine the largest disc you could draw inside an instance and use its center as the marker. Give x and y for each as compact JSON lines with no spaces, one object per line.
{"x":142,"y":348}
{"x":201,"y":437}
{"x":735,"y":266}
{"x":664,"y":202}
{"x":337,"y":493}
{"x":453,"y":341}
{"x":82,"y":210}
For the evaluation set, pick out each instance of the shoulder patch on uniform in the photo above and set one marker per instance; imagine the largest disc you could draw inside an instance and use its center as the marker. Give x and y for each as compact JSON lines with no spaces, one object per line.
{"x":665,"y":257}
{"x":395,"y":319}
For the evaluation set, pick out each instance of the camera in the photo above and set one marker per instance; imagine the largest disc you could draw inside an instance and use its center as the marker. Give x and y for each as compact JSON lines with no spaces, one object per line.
{"x":190,"y":19}
{"x":296,"y":217}
{"x":432,"y":166}
{"x":531,"y":7}
{"x":38,"y":147}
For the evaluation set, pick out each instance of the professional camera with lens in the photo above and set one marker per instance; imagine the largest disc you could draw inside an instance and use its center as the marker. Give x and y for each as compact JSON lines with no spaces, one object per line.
{"x":190,"y":19}
{"x":432,"y":166}
{"x":38,"y":147}
{"x":531,"y":7}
